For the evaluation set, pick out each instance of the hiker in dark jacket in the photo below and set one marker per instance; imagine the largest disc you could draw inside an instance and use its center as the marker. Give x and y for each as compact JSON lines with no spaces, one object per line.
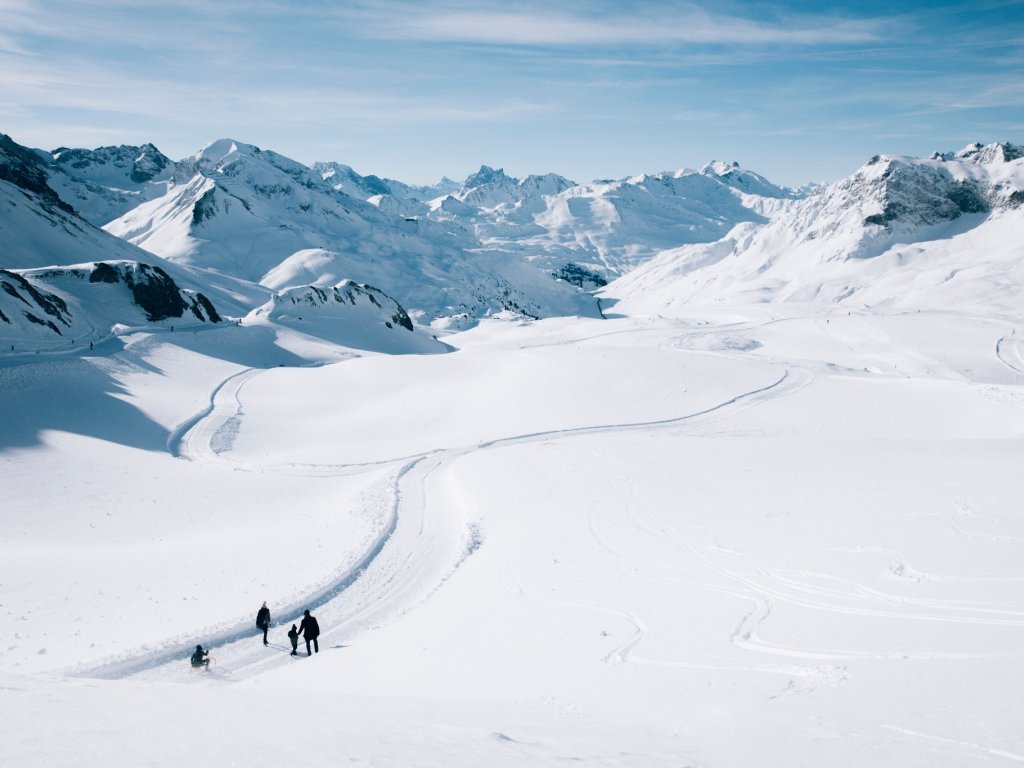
{"x":310,"y":630}
{"x":263,"y":620}
{"x":293,"y":635}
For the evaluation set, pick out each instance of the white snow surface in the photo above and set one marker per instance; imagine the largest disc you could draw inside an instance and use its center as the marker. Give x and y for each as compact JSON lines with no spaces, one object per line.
{"x":766,"y":511}
{"x":730,"y":535}
{"x":900,"y":232}
{"x":248,"y":213}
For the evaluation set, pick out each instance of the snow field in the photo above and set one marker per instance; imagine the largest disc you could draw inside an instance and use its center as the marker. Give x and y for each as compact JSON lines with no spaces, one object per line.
{"x":737,"y":536}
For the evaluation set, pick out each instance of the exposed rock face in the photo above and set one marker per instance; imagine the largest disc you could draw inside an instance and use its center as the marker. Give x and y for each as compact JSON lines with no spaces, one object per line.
{"x":900,"y":231}
{"x":35,"y":301}
{"x":140,"y":164}
{"x":919,"y":195}
{"x":155,"y":291}
{"x":353,"y":294}
{"x":576,"y":275}
{"x":27,"y":170}
{"x":56,"y":308}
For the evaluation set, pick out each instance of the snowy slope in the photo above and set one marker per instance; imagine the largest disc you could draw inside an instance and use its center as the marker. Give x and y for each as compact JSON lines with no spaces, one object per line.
{"x":66,"y":308}
{"x":349,"y":314}
{"x":39,"y":229}
{"x":102,"y":184}
{"x":900,"y":231}
{"x":344,"y":179}
{"x":632,"y":542}
{"x":608,"y":226}
{"x":250,"y":213}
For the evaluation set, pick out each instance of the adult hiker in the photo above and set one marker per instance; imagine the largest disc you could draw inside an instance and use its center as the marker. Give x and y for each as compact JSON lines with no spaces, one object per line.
{"x":263,"y":620}
{"x":199,"y":660}
{"x":310,"y":630}
{"x":293,"y":635}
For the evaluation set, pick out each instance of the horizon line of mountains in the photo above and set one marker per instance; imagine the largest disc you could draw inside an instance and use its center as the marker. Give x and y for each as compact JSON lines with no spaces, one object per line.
{"x":235,"y":227}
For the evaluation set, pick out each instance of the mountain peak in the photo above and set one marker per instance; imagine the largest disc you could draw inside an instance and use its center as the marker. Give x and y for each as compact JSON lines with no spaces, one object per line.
{"x":222,"y":149}
{"x":486,"y":175}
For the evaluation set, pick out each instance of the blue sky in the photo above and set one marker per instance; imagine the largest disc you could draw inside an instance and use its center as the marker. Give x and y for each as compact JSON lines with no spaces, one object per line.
{"x":797,"y":91}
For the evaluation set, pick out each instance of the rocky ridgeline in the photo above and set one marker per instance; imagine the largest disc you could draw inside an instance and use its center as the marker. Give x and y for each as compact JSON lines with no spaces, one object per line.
{"x":41,"y":307}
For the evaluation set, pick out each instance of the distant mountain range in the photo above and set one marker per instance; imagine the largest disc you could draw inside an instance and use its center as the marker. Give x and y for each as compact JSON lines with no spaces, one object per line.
{"x":941,"y":232}
{"x":234,"y":229}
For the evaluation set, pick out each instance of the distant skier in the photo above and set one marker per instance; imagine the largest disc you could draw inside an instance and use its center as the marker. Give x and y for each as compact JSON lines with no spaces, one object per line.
{"x":263,"y":620}
{"x":293,"y":635}
{"x":199,"y":660}
{"x":310,"y":630}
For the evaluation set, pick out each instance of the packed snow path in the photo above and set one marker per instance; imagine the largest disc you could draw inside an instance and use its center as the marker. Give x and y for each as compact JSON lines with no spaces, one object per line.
{"x":425,"y":538}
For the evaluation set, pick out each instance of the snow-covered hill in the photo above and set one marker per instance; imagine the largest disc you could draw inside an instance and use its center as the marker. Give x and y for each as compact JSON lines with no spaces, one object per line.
{"x":350,"y":314}
{"x":240,"y":223}
{"x":57,"y":308}
{"x":252,"y":214}
{"x":707,"y":533}
{"x":900,"y":231}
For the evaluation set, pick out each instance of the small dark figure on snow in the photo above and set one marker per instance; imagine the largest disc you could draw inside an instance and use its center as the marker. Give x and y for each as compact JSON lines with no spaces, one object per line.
{"x":310,"y":630}
{"x":263,"y":621}
{"x":293,"y":635}
{"x":199,"y":660}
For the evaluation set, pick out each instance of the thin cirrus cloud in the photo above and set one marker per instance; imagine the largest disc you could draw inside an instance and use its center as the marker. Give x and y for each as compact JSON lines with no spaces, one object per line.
{"x":669,"y":24}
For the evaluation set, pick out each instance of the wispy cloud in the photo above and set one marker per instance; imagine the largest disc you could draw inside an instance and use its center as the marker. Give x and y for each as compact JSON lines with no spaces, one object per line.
{"x":541,"y":25}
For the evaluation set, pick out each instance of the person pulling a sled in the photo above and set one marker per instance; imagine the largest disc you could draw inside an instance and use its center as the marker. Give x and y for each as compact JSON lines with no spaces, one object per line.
{"x":199,"y":660}
{"x":263,"y":620}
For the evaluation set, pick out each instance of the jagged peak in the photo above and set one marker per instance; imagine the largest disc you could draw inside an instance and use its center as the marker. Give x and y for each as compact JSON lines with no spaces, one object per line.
{"x":487,"y":175}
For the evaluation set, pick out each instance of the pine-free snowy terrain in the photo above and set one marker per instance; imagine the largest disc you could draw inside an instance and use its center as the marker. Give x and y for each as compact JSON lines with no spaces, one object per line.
{"x":756,"y":501}
{"x":781,"y":534}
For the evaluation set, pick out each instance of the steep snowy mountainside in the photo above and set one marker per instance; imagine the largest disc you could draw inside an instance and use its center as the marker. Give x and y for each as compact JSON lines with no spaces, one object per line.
{"x":68,"y":307}
{"x":900,"y":231}
{"x":458,"y":290}
{"x":242,"y":210}
{"x":492,"y":188}
{"x":39,"y":230}
{"x":246,"y":212}
{"x":26,"y":170}
{"x":608,"y":226}
{"x":102,"y":184}
{"x":38,"y":227}
{"x":349,"y":314}
{"x":344,"y":179}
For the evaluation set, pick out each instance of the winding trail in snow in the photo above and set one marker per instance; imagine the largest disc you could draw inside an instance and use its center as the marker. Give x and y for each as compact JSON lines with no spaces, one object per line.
{"x":417,"y":549}
{"x":1010,"y":352}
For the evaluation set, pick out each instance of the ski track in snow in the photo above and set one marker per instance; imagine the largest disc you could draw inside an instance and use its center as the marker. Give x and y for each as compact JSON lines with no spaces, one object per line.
{"x":1010,"y":352}
{"x":948,"y":742}
{"x":413,"y":555}
{"x":416,"y":551}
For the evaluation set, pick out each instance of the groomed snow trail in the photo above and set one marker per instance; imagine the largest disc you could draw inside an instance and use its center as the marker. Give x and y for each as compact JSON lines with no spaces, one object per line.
{"x":424,"y":538}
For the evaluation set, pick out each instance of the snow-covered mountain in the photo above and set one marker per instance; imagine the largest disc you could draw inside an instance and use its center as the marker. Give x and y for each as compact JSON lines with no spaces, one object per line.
{"x":344,"y":179}
{"x":900,"y":230}
{"x":256,"y":215}
{"x":608,"y":226}
{"x":102,"y":184}
{"x":40,"y":231}
{"x":39,"y":228}
{"x":239,"y":224}
{"x":58,"y":307}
